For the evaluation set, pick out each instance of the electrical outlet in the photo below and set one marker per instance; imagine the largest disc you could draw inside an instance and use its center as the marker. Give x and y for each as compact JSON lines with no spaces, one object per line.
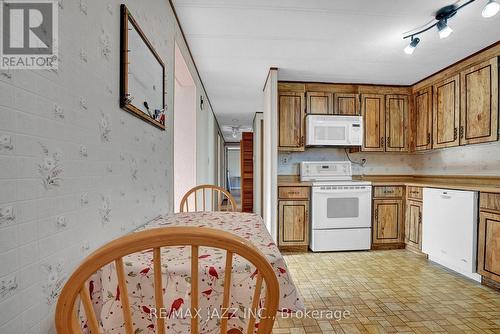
{"x":6,"y":214}
{"x":285,"y":159}
{"x":83,"y":151}
{"x":61,"y":222}
{"x":83,"y":103}
{"x":6,"y":142}
{"x":58,"y":111}
{"x":84,"y":199}
{"x":7,"y":287}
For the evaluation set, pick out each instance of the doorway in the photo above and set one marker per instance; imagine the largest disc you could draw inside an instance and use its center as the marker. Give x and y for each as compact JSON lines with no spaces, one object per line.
{"x":233,"y":171}
{"x":184,"y":129}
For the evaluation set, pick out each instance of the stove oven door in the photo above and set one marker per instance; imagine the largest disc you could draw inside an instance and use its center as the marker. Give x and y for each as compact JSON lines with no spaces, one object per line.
{"x":341,"y":207}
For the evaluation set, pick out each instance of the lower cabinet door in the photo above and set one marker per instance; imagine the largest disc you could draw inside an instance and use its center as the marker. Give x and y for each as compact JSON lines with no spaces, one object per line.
{"x":293,"y":220}
{"x":413,"y":226}
{"x":387,"y":221}
{"x":488,"y":255}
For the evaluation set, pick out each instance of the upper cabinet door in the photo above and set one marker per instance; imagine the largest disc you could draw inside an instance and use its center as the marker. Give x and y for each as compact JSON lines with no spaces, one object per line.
{"x":373,"y":109}
{"x":479,"y":104}
{"x":319,"y":103}
{"x":423,"y":119}
{"x":446,"y":113}
{"x":291,"y":121}
{"x":346,"y":104}
{"x":396,"y":123}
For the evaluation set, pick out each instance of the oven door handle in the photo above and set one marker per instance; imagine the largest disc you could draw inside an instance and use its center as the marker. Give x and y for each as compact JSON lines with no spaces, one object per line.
{"x":343,"y":191}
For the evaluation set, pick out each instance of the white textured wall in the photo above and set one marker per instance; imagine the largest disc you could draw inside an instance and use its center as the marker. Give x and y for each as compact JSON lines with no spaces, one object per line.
{"x":107,"y":170}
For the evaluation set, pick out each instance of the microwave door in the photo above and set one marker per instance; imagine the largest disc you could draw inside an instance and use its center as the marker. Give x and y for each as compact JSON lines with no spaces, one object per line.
{"x":331,"y":134}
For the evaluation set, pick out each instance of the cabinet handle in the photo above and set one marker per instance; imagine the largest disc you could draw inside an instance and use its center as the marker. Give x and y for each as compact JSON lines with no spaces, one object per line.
{"x":420,"y":218}
{"x":455,"y":134}
{"x":382,"y":142}
{"x":389,"y":141}
{"x":428,"y":138}
{"x":376,"y":214}
{"x":461,"y":131}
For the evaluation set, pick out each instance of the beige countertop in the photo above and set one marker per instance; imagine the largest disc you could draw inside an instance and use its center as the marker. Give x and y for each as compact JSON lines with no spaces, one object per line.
{"x":457,"y":182}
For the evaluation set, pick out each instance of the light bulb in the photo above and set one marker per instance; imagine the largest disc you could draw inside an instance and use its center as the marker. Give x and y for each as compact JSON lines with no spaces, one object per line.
{"x":491,"y":9}
{"x":412,"y":46}
{"x":443,"y":29}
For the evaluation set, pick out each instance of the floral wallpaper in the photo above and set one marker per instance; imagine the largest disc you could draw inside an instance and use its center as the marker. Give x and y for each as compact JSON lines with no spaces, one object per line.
{"x":75,"y":170}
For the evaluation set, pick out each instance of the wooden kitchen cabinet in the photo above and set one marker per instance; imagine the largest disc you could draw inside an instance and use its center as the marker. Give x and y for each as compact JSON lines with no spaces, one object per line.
{"x":293,"y":220}
{"x":396,"y":123}
{"x":291,"y":121}
{"x":488,"y":261}
{"x":488,"y":245}
{"x":385,"y":120}
{"x":293,"y":217}
{"x":346,"y":104}
{"x":422,"y":122}
{"x":413,"y":225}
{"x":373,"y":112}
{"x":388,"y":224}
{"x":319,"y":103}
{"x":479,"y":103}
{"x":446,"y":112}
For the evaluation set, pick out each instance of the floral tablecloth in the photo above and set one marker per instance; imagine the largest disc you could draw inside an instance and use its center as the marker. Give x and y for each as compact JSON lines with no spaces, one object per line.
{"x":105,"y":294}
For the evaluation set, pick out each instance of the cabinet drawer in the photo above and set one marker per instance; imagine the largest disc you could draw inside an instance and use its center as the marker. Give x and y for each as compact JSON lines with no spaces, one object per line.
{"x":489,"y":201}
{"x":414,"y":193}
{"x":388,"y":191}
{"x":293,"y":192}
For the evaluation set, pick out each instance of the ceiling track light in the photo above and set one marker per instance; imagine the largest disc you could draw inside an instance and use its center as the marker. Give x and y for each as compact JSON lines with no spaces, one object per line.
{"x":491,"y":9}
{"x":442,"y":16}
{"x":443,"y":29}
{"x":412,"y":46}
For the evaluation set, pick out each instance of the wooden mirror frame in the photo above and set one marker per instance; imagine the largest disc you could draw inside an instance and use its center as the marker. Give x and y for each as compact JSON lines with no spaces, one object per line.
{"x":125,"y":19}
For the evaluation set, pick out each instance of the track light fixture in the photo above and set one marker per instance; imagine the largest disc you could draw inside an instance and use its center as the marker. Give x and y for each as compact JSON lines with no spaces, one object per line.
{"x":413,"y":44}
{"x":443,"y":29}
{"x":491,"y":8}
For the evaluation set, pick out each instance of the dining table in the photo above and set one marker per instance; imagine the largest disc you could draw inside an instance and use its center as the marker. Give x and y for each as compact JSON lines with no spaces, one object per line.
{"x":176,"y":278}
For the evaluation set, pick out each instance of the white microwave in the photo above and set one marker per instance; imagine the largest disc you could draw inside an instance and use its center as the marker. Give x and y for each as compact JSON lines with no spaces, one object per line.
{"x":333,"y":130}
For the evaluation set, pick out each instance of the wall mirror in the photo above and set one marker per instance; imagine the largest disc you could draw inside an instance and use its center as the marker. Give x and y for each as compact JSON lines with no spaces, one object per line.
{"x":142,"y":74}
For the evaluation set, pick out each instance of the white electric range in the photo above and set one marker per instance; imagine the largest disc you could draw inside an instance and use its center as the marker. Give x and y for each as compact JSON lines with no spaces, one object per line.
{"x":341,"y":207}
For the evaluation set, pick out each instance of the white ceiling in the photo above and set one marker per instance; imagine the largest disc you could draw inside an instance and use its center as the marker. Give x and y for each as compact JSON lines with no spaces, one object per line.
{"x":235,"y":42}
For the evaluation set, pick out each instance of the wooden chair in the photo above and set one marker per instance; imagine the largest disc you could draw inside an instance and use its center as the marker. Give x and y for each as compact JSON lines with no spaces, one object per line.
{"x":76,"y":288}
{"x":217,"y":197}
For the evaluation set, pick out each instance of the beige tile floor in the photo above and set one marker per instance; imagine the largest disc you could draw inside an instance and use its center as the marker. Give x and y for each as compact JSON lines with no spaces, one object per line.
{"x":393,"y":291}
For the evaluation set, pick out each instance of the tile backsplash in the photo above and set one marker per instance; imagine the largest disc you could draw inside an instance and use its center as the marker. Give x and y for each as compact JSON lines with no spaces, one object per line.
{"x":376,"y":163}
{"x":479,"y":159}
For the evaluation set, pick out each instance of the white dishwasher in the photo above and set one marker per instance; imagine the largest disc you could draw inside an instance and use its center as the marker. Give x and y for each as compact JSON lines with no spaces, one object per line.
{"x":449,"y":229}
